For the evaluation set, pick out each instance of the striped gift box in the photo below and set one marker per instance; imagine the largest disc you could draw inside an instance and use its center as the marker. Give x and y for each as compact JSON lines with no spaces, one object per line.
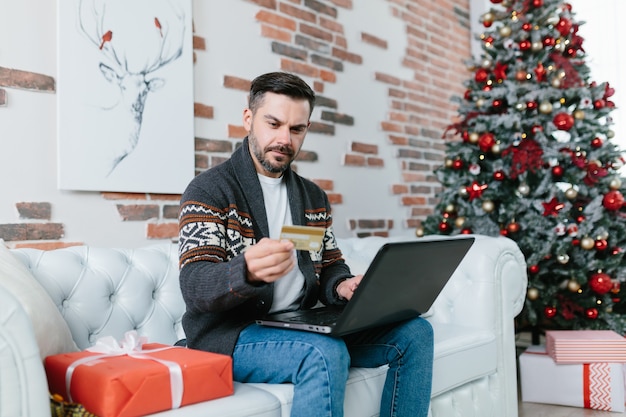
{"x":598,"y":386}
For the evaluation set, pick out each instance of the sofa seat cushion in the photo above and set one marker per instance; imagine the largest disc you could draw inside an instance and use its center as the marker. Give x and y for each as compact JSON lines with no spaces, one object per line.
{"x":246,"y":401}
{"x":363,"y":392}
{"x":462,"y":354}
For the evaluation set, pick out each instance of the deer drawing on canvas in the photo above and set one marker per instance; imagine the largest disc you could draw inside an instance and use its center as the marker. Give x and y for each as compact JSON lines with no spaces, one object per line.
{"x":133,"y":48}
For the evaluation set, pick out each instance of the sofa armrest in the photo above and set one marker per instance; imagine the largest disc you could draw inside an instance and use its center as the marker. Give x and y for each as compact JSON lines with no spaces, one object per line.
{"x":489,"y":286}
{"x":24,"y":391}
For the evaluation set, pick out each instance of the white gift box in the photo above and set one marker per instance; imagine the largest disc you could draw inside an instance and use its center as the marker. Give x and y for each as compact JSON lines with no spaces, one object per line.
{"x":599,"y":386}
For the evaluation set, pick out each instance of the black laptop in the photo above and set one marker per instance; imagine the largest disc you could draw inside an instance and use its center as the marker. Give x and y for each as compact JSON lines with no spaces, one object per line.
{"x":402,"y":282}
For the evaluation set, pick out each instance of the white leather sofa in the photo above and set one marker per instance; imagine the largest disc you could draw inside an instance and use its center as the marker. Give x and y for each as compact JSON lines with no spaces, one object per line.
{"x":106,"y":291}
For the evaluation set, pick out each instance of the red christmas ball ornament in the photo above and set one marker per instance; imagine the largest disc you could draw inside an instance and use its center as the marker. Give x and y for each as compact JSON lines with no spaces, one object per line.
{"x":563,"y":121}
{"x":600,"y":283}
{"x":504,"y":232}
{"x":601,"y":244}
{"x":466,"y":231}
{"x":468,"y":95}
{"x":486,"y":141}
{"x":533,"y":269}
{"x":564,"y":26}
{"x":557,"y":171}
{"x":465,"y":136}
{"x":613,"y":200}
{"x":596,"y":143}
{"x":457,"y":164}
{"x":591,"y":313}
{"x":481,"y":75}
{"x":549,"y":41}
{"x":525,"y":45}
{"x":527,"y":27}
{"x":496,"y":1}
{"x":445,"y":227}
{"x":599,"y":104}
{"x":513,"y":227}
{"x":499,"y":175}
{"x":531,"y":105}
{"x":580,"y":219}
{"x":537,"y":3}
{"x":549,"y":311}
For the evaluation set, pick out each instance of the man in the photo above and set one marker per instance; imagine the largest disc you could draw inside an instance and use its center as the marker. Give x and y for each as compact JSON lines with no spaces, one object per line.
{"x":235,"y":269}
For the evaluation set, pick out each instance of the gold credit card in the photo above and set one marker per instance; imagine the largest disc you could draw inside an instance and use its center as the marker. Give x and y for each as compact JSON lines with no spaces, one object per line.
{"x":304,"y":237}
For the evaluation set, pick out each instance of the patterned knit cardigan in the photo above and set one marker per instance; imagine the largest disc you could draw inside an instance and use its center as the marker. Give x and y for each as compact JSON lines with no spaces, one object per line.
{"x":222,"y":213}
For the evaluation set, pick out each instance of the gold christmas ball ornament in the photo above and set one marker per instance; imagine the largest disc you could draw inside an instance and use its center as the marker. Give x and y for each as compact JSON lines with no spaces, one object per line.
{"x":536,"y":46}
{"x":552,"y":20}
{"x":604,"y":235}
{"x":532,"y":294}
{"x":495,"y":149}
{"x":505,"y":31}
{"x":573,"y":285}
{"x":562,"y":258}
{"x":571,"y":193}
{"x":459,"y":221}
{"x":448,"y":163}
{"x":610,"y":134}
{"x":488,"y":206}
{"x":473,"y":137}
{"x":463,"y":192}
{"x":523,"y":189}
{"x":579,"y":115}
{"x":587,"y":243}
{"x":615,"y":184}
{"x":520,"y":107}
{"x":487,"y":63}
{"x":488,"y":17}
{"x":480,"y":102}
{"x":556,"y":83}
{"x":545,"y":107}
{"x":450,"y":208}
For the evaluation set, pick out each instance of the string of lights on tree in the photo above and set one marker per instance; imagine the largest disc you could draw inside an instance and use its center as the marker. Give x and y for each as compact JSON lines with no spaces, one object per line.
{"x":531,"y":157}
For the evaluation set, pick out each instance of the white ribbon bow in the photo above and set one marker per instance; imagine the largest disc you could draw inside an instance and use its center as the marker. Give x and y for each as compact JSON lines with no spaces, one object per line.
{"x":131,"y":342}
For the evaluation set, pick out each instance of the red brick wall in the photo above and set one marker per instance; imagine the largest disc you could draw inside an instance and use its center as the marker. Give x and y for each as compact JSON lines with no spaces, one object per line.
{"x":307,"y":38}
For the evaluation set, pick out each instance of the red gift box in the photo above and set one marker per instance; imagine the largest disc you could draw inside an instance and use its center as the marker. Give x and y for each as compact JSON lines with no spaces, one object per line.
{"x":153,"y":378}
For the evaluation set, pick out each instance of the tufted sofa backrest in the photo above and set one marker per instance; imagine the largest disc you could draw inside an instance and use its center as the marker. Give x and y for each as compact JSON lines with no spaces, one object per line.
{"x":107,"y":292}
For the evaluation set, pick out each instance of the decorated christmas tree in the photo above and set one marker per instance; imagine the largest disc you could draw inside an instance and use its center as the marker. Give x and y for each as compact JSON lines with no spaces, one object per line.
{"x":531,"y":158}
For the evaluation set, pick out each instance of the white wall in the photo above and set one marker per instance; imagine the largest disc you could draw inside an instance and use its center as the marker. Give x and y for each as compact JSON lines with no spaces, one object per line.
{"x":28,"y":129}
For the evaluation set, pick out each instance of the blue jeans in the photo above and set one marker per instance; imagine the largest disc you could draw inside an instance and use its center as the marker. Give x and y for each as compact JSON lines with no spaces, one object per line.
{"x":318,"y":365}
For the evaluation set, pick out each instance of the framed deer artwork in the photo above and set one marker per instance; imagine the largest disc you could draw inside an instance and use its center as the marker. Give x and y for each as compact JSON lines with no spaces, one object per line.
{"x":125,"y":95}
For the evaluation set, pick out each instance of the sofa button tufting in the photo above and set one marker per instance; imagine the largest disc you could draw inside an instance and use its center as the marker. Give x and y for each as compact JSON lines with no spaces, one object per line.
{"x":260,"y":304}
{"x":112,"y":297}
{"x":65,"y":303}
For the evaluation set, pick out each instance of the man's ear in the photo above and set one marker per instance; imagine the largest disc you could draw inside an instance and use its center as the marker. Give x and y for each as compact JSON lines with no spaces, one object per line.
{"x":247,"y":119}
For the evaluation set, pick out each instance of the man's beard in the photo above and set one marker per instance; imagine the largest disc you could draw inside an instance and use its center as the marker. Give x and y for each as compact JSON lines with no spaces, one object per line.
{"x":259,"y":153}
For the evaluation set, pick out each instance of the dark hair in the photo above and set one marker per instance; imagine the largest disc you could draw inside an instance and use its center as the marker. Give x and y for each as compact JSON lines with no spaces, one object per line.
{"x":280,"y":83}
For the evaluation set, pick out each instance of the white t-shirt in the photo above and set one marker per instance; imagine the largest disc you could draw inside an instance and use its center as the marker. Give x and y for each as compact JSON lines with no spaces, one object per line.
{"x":289,"y":289}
